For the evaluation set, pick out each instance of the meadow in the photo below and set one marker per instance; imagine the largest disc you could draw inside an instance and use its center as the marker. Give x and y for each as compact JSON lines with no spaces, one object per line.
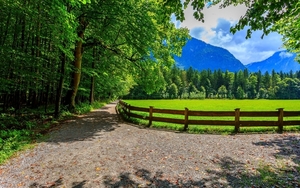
{"x":218,"y":105}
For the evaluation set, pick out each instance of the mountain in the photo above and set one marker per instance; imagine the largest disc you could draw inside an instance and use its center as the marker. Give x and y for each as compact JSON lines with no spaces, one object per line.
{"x":280,"y":61}
{"x":202,"y":56}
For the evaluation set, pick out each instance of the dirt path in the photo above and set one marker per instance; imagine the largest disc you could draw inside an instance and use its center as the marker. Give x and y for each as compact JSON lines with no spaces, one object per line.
{"x":96,"y":150}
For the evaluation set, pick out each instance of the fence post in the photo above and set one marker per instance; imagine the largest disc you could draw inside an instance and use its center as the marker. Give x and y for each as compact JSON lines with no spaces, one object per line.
{"x":237,"y":120}
{"x":186,"y":119}
{"x":280,"y":120}
{"x":128,"y":108}
{"x":150,"y":115}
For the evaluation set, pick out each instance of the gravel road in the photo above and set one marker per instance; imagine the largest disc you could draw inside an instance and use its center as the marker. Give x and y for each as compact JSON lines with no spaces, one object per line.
{"x":99,"y":150}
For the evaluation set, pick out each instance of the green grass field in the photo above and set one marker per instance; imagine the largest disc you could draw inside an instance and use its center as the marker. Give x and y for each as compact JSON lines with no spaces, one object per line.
{"x":219,"y":105}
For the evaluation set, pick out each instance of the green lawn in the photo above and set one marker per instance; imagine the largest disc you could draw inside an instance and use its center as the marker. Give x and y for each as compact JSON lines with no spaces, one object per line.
{"x":219,"y":105}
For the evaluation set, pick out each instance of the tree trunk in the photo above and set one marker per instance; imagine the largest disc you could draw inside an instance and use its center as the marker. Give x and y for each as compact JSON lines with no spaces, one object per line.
{"x":71,"y":95}
{"x":60,"y":85}
{"x":4,"y":37}
{"x":35,"y":101}
{"x":92,"y":86}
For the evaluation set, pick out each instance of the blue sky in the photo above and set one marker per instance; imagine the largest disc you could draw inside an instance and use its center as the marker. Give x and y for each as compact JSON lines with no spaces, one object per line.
{"x":215,"y":31}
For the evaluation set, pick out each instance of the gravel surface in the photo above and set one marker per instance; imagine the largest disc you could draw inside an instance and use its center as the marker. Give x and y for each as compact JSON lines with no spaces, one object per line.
{"x":99,"y":150}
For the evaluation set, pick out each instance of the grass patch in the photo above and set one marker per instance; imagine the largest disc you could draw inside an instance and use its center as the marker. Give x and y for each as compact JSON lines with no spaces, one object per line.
{"x":218,"y":105}
{"x":268,"y":175}
{"x":20,"y":131}
{"x":12,"y":141}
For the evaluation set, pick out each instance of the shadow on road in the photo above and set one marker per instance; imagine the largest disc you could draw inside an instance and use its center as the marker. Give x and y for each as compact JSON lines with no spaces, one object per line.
{"x":229,"y":172}
{"x":87,"y":126}
{"x":233,"y":173}
{"x":287,"y":146}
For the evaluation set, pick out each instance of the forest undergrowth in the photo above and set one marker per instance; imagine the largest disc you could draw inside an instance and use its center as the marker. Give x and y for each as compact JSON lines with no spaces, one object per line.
{"x":21,"y":129}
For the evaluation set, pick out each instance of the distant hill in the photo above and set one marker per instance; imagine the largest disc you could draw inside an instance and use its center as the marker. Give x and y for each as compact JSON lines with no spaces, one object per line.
{"x":279,"y":61}
{"x":202,"y":56}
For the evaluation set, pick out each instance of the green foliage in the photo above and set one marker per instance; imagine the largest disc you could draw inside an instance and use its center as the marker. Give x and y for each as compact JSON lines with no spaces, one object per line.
{"x":222,"y":91}
{"x":217,"y":84}
{"x":173,"y":91}
{"x":84,"y":108}
{"x":240,"y":94}
{"x":12,"y":141}
{"x":19,"y":132}
{"x":50,"y":49}
{"x":6,"y":121}
{"x":195,"y":95}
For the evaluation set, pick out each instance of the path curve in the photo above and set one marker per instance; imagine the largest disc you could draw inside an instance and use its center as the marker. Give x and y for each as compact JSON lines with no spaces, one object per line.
{"x":98,"y":150}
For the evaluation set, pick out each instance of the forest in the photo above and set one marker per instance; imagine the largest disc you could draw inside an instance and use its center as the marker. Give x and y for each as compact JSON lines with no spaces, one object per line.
{"x":194,"y":84}
{"x":57,"y":54}
{"x":66,"y":52}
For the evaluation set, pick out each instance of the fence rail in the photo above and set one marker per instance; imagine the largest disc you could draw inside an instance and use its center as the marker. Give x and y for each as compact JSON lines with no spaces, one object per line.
{"x":236,"y":114}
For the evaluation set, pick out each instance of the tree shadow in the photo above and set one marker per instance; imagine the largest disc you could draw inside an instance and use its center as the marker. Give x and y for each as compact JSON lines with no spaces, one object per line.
{"x":57,"y":183}
{"x":146,"y":179}
{"x":233,"y":173}
{"x":86,"y":127}
{"x":283,"y":172}
{"x":53,"y":184}
{"x":79,"y":184}
{"x":228,"y":173}
{"x":287,"y":147}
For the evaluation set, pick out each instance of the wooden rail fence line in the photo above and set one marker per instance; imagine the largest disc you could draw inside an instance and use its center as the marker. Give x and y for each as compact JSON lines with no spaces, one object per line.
{"x":237,"y":114}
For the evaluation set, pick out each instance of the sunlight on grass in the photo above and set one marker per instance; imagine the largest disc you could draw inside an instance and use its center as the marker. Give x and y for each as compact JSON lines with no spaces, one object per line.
{"x":218,"y":105}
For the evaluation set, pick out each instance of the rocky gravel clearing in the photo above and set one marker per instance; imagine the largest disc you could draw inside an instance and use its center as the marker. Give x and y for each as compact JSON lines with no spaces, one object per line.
{"x":99,"y":150}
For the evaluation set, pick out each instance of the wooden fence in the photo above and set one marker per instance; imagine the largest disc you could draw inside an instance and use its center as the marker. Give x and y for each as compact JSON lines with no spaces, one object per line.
{"x":237,"y":114}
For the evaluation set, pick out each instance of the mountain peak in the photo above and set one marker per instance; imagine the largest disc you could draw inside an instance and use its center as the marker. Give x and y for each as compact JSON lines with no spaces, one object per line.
{"x":280,"y":61}
{"x":203,"y":56}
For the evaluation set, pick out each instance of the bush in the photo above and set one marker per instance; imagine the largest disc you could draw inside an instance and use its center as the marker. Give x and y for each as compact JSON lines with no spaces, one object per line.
{"x":198,"y":95}
{"x":12,"y":141}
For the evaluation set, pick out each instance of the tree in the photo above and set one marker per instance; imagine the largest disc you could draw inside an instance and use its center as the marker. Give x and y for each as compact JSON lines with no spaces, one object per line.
{"x":262,"y":93}
{"x":289,"y":88}
{"x":222,"y":91}
{"x":125,"y":36}
{"x":251,"y":91}
{"x":266,"y":80}
{"x":240,"y":93}
{"x":36,"y":43}
{"x":173,"y":91}
{"x":241,"y":80}
{"x":192,"y":89}
{"x":228,"y":80}
{"x":289,"y":27}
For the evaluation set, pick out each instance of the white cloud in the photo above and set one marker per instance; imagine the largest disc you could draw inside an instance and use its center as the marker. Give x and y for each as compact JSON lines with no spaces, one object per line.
{"x":223,"y":37}
{"x":211,"y":16}
{"x":247,"y":51}
{"x":285,"y":55}
{"x":216,"y":31}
